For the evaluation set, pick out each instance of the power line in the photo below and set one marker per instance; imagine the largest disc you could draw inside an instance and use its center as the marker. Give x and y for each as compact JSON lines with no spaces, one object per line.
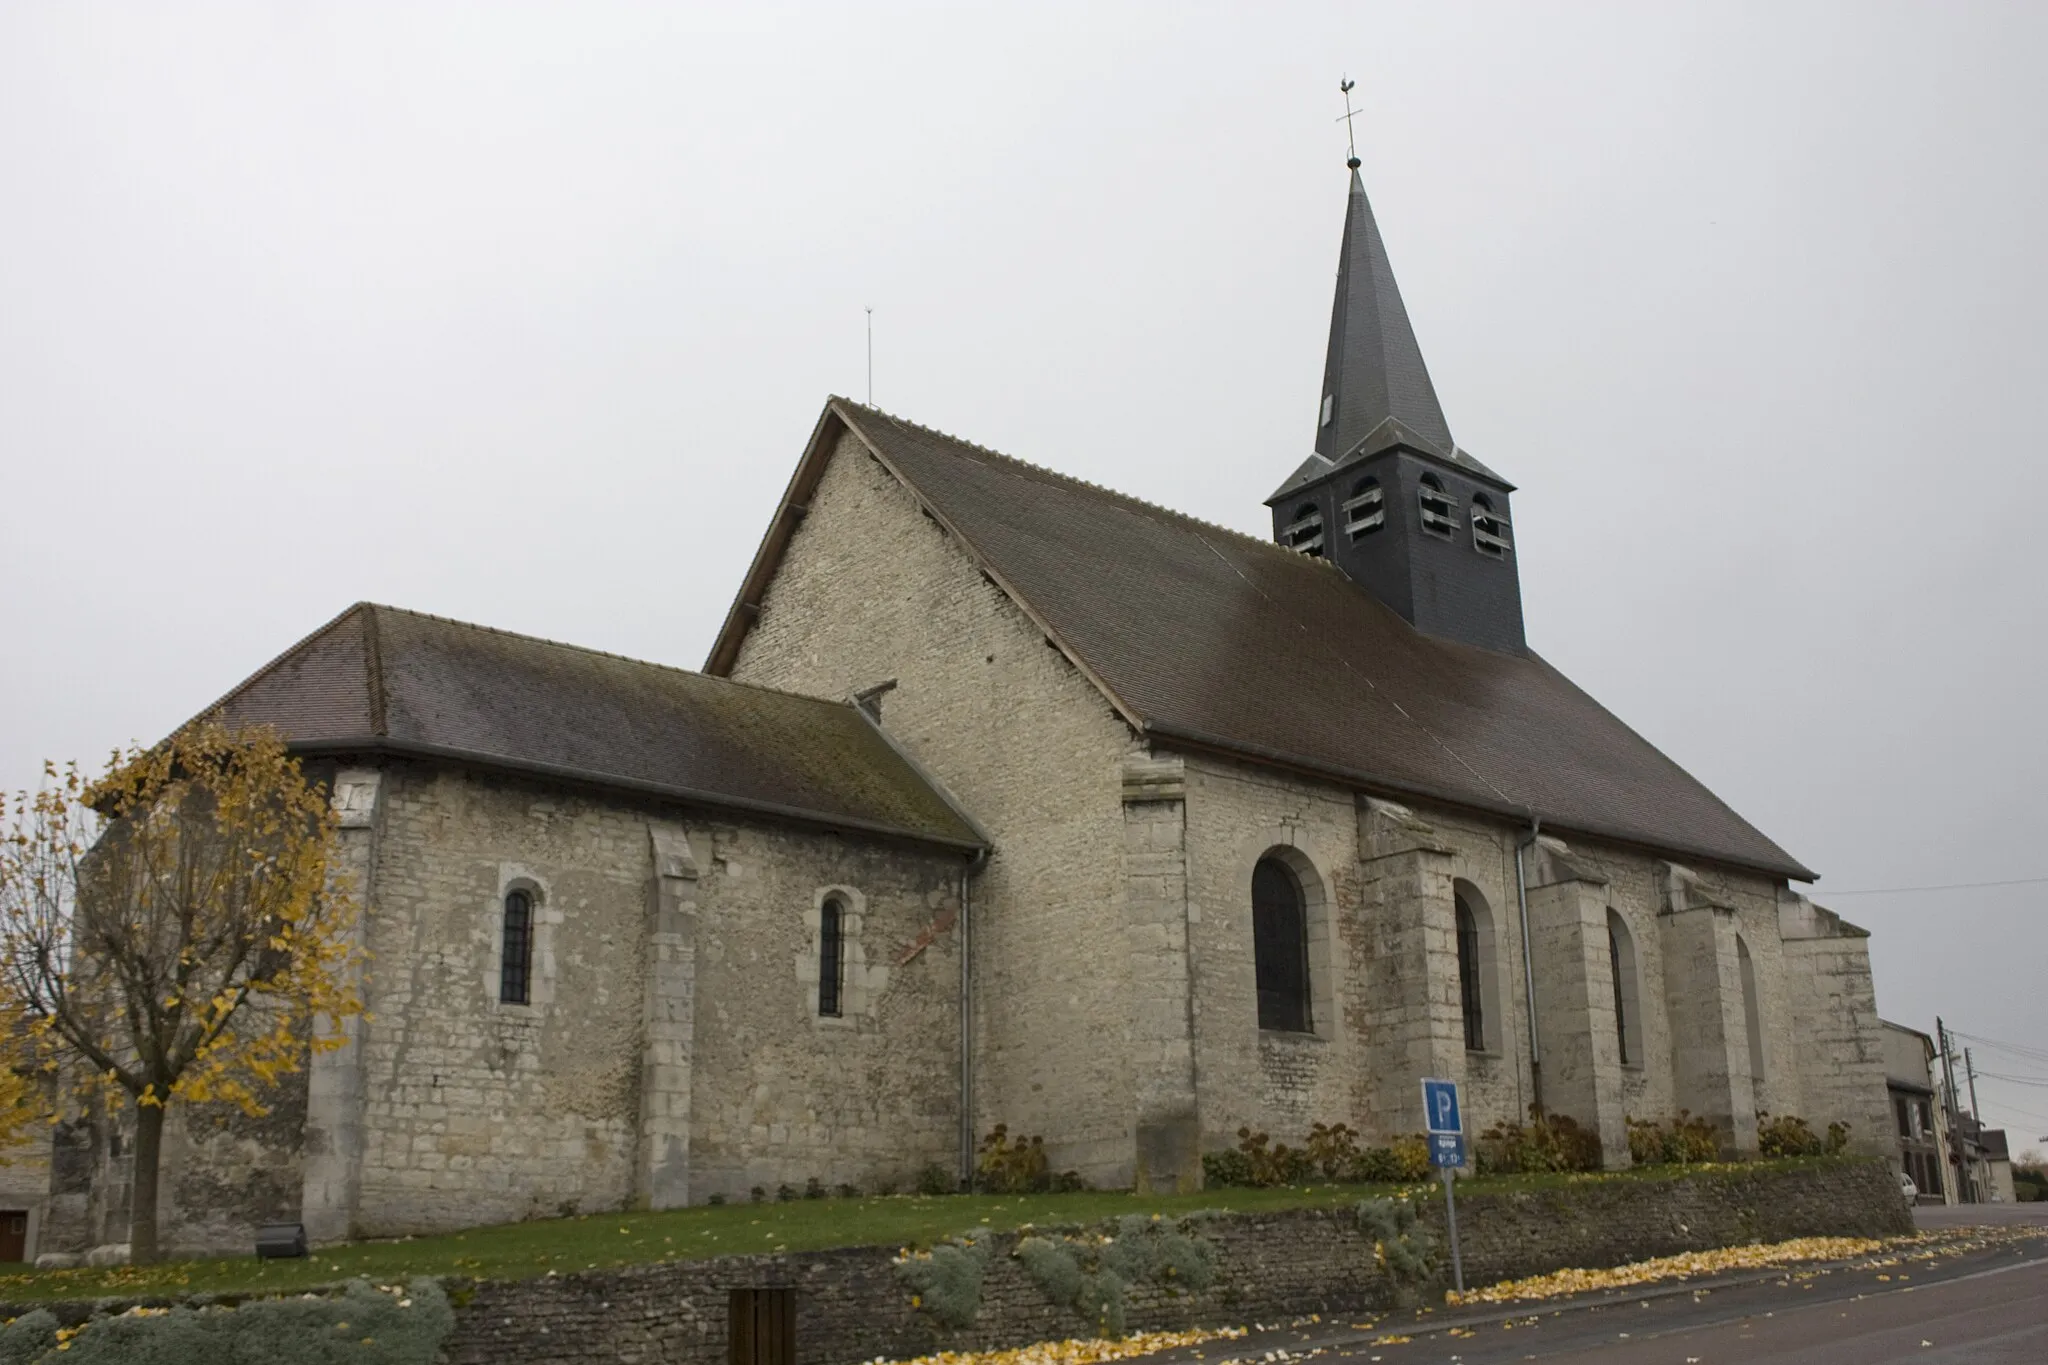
{"x":2017,"y":1049}
{"x":2016,"y":1080}
{"x":1951,"y":886}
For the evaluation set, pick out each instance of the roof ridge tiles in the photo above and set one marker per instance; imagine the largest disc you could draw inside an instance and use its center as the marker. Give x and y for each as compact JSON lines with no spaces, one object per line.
{"x":1073,"y":480}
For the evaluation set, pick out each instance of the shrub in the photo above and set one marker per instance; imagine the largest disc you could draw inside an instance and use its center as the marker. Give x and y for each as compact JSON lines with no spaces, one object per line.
{"x":1547,"y":1142}
{"x":936,"y":1179}
{"x":947,"y":1279}
{"x":1003,"y":1166}
{"x":1090,"y":1272}
{"x":360,"y":1326}
{"x":1686,"y":1139}
{"x":1790,"y":1135}
{"x":1332,"y":1151}
{"x":28,"y":1338}
{"x":1405,"y":1249}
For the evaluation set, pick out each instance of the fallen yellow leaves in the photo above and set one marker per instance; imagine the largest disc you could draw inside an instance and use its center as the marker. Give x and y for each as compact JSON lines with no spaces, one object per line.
{"x":1079,"y":1352}
{"x":1692,"y":1263}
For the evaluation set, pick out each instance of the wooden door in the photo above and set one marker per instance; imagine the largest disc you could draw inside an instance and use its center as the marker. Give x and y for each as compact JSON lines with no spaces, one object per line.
{"x":13,"y":1234}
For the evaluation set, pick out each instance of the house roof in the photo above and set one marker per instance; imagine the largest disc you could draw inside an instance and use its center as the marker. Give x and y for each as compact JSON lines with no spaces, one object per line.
{"x":1203,"y":637}
{"x":380,"y":680}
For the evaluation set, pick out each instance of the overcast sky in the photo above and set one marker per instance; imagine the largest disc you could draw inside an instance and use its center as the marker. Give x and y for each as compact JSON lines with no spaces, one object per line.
{"x":521,"y":315}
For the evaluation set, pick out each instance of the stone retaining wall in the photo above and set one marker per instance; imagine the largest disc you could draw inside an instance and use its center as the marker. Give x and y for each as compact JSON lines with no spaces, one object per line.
{"x":851,"y":1306}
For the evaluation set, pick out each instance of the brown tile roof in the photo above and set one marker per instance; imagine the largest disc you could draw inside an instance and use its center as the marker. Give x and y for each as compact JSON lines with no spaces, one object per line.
{"x":1204,"y":636}
{"x":377,"y":679}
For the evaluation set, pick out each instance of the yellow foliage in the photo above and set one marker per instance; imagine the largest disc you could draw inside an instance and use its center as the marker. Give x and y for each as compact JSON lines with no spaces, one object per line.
{"x":1685,"y":1266}
{"x":1091,"y":1351}
{"x":178,"y":928}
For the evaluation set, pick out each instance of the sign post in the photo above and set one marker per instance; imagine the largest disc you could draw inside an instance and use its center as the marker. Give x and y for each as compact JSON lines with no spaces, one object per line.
{"x":1446,"y":1149}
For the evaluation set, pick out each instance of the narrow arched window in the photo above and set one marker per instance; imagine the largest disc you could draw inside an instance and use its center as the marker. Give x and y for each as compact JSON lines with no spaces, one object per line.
{"x":1280,"y":947}
{"x":1621,"y":956}
{"x":1436,"y":506}
{"x":1489,"y":528}
{"x":1305,"y":532}
{"x":1365,"y":510}
{"x":1471,"y":995}
{"x":831,"y":955}
{"x":515,"y":957}
{"x":1752,"y":1016}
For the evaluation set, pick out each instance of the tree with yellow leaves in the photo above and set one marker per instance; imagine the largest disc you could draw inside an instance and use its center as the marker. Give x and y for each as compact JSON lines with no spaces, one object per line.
{"x":176,"y":929}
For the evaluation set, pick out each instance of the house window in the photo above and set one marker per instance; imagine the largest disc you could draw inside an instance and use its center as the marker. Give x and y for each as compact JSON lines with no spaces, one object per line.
{"x":515,"y":959}
{"x":1305,"y":532}
{"x":1365,"y":510}
{"x":1489,"y":528}
{"x":1437,"y":518}
{"x":1471,"y":998}
{"x":1628,"y":1014}
{"x":831,"y":956}
{"x":1280,"y":947}
{"x":1904,"y":1109}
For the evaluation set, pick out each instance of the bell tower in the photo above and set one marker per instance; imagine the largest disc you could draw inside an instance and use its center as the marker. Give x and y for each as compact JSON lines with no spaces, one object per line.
{"x":1388,"y":496}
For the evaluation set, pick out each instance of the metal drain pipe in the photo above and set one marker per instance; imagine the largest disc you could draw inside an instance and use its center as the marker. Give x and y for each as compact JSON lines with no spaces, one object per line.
{"x":1528,"y":959}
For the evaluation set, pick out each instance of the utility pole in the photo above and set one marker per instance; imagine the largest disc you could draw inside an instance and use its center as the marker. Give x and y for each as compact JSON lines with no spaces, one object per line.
{"x":1964,"y":1188}
{"x":1970,"y":1070}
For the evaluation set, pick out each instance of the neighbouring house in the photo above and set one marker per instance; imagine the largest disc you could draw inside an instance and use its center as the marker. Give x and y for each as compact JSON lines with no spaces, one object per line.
{"x":1919,"y":1122}
{"x":1006,"y":798}
{"x":1997,"y":1175}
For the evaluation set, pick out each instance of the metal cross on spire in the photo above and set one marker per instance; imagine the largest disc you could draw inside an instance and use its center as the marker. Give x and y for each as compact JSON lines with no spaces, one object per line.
{"x":1350,"y":129}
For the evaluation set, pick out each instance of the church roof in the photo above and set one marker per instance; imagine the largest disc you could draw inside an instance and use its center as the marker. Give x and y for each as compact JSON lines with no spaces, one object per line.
{"x":1203,"y":637}
{"x":380,"y":680}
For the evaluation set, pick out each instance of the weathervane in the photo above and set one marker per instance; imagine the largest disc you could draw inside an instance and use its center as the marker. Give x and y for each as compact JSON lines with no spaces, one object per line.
{"x":1350,"y":130}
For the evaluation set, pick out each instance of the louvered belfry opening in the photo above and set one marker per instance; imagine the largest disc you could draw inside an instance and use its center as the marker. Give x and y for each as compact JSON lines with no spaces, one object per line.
{"x":761,"y":1327}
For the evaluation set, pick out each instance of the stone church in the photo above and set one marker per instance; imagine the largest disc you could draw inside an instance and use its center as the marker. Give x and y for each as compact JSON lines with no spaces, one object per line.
{"x":1006,"y":798}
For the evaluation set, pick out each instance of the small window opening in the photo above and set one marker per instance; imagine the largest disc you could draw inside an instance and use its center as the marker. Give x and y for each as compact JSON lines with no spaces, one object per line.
{"x":515,"y":962}
{"x":1365,"y":510}
{"x":1471,"y":1000}
{"x":1628,"y":1010}
{"x":1489,"y":529}
{"x":1437,"y":513}
{"x":831,"y":956}
{"x":1280,"y":947}
{"x":1329,"y":409}
{"x":1305,"y":532}
{"x":1751,"y":1015}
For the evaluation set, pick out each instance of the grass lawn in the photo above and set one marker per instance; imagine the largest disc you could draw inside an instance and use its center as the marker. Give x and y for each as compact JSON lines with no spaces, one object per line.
{"x":596,"y":1241}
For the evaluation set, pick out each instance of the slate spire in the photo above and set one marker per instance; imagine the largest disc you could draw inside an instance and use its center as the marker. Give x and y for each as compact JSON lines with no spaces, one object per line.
{"x":1374,"y":369}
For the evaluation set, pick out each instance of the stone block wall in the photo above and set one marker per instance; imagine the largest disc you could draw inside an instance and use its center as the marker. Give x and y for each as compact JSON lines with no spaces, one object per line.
{"x":479,"y":1111}
{"x":852,"y":1306}
{"x":873,"y":590}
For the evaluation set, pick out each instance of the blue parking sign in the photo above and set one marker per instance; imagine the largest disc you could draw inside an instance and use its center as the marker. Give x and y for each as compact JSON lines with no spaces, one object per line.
{"x":1446,"y":1149}
{"x":1440,"y":1107}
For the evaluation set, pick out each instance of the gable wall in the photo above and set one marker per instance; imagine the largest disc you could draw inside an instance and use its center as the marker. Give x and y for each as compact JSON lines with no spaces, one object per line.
{"x":871,"y":589}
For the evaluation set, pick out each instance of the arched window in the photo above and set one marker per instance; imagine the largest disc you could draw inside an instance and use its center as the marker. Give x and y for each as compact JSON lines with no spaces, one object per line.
{"x":1305,"y":532}
{"x":515,"y":957}
{"x":1752,"y":1018}
{"x":1280,"y":947}
{"x":1365,"y":510}
{"x":1628,"y":1013}
{"x":831,"y":955}
{"x":1489,"y":528}
{"x":1471,"y":984}
{"x":1436,"y":507}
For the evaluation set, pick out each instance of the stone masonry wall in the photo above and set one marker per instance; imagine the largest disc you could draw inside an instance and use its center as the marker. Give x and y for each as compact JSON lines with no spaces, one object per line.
{"x":872,"y":590}
{"x":1280,"y":1083}
{"x":477,"y":1111}
{"x":851,"y":1305}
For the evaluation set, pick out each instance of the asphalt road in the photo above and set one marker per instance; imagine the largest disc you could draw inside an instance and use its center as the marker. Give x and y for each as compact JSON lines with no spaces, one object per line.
{"x":1985,"y":1306}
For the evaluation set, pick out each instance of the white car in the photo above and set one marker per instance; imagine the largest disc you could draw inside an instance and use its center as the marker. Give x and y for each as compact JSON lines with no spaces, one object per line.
{"x":1907,"y":1188}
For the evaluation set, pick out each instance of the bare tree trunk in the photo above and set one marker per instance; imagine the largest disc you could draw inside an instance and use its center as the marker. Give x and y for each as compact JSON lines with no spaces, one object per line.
{"x":149,"y":1147}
